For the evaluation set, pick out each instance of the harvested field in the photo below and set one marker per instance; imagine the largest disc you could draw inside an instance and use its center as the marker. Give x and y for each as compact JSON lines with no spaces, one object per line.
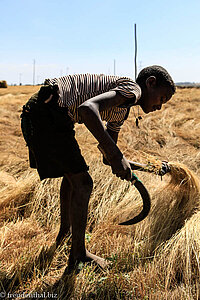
{"x":155,"y":259}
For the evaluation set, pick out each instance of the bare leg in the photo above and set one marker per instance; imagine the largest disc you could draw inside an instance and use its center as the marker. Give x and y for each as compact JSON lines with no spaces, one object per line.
{"x":82,"y":188}
{"x":65,"y":202}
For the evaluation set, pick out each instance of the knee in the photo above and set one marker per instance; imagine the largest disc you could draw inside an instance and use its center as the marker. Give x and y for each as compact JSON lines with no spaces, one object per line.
{"x":81,"y":181}
{"x":66,"y":183}
{"x":86,"y":182}
{"x":65,"y":187}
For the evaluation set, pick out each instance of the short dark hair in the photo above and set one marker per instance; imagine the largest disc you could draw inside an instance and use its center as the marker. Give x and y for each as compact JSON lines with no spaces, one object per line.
{"x":162,"y":77}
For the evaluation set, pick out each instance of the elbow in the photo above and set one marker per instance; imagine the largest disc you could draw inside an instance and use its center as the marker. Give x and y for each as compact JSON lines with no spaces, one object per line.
{"x":85,"y":109}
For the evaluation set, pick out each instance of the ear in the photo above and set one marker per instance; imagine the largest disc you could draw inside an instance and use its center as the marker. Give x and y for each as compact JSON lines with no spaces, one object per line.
{"x":151,"y":81}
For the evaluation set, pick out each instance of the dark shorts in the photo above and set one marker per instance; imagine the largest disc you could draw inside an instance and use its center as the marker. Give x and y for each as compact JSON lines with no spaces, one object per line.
{"x":50,"y":137}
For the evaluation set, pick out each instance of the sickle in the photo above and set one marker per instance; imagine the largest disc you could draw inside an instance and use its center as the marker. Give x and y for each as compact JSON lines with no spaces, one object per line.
{"x":146,"y":201}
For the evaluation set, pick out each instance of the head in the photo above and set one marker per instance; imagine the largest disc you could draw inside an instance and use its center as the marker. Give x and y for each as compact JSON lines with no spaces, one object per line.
{"x":157,"y":88}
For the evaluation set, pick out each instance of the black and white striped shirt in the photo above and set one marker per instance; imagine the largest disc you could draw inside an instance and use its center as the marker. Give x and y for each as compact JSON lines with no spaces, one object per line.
{"x":75,"y":89}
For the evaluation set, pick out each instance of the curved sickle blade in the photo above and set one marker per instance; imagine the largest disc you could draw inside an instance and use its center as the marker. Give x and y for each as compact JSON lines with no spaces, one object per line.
{"x":146,"y":204}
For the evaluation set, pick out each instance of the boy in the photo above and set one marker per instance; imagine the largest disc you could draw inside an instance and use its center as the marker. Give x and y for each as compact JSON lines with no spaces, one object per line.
{"x":48,"y":126}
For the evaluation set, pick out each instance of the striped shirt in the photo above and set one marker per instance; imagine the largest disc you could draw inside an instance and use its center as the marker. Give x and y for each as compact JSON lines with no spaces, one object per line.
{"x":76,"y":89}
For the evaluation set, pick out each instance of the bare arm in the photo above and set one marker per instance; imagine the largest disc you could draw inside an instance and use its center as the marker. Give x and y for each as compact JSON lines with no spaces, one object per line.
{"x":90,"y":114}
{"x":113,"y":134}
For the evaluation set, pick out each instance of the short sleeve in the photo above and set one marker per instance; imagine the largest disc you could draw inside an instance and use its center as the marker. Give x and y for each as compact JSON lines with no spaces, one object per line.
{"x":116,"y":118}
{"x":128,"y":88}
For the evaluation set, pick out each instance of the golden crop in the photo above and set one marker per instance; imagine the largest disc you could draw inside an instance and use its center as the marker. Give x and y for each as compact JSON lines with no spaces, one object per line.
{"x":158,"y":258}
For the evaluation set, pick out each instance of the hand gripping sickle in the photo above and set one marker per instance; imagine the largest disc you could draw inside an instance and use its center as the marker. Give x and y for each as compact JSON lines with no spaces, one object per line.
{"x":141,"y":188}
{"x":143,"y":191}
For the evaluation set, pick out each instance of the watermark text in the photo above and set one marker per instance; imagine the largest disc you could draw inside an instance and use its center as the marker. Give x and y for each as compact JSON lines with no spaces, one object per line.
{"x":35,"y":295}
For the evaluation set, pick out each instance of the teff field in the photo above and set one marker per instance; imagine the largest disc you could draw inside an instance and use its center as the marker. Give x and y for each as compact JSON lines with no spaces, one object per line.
{"x":158,"y":258}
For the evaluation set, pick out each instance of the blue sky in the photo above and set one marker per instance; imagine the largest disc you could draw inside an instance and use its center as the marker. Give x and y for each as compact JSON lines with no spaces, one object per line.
{"x":67,"y":37}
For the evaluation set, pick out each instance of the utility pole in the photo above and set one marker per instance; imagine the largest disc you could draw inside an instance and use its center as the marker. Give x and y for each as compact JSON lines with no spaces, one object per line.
{"x":135,"y":58}
{"x":140,"y":65}
{"x":34,"y":72}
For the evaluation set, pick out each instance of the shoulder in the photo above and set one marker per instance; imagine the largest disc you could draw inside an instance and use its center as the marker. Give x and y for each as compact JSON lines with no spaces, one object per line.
{"x":128,"y":88}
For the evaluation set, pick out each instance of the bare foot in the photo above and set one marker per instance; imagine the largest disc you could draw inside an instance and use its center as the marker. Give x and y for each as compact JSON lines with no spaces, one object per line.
{"x":99,"y":260}
{"x":74,"y":264}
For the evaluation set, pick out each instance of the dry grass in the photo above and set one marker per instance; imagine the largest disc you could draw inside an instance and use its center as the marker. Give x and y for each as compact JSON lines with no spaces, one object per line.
{"x":155,"y":259}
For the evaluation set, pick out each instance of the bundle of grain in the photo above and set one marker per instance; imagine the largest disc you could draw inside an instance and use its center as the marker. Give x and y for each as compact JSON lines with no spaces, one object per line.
{"x":172,"y":205}
{"x":15,"y":197}
{"x":3,"y":84}
{"x":179,"y":257}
